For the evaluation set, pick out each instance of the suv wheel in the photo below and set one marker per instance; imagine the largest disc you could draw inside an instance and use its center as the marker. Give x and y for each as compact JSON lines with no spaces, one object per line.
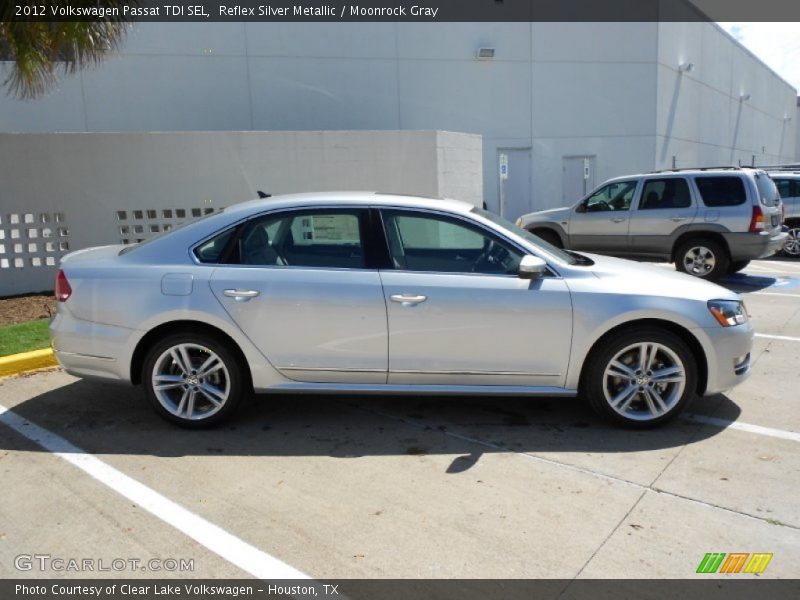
{"x":738,"y":265}
{"x":792,"y":247}
{"x":702,"y":258}
{"x":551,"y":237}
{"x":641,"y":378}
{"x":193,"y":380}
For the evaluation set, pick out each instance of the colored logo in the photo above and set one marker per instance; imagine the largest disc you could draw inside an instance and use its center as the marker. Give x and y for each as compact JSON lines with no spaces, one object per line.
{"x":734,"y":562}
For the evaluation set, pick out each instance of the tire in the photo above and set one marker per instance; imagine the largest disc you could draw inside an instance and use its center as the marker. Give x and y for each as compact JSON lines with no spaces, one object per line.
{"x":630,"y":389}
{"x":187,"y":402}
{"x":703,"y":258}
{"x":737,"y":265}
{"x":792,"y":246}
{"x":549,"y":236}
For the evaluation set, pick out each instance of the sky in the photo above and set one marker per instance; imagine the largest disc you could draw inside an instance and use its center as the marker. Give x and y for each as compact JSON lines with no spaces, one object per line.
{"x":777,"y":44}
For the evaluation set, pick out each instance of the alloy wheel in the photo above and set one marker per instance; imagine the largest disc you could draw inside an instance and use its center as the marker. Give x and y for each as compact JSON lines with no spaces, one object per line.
{"x":792,"y":247}
{"x":644,"y":381}
{"x":699,"y":261}
{"x":191,"y":382}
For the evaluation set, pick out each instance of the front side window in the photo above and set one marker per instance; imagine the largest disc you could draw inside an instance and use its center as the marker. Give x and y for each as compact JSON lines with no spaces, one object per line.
{"x":721,"y":190}
{"x":434,"y":243}
{"x":321,"y":238}
{"x":665,"y":193}
{"x":614,"y":196}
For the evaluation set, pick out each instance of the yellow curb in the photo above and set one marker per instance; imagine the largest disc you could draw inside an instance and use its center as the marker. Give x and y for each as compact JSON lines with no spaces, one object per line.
{"x":26,"y":361}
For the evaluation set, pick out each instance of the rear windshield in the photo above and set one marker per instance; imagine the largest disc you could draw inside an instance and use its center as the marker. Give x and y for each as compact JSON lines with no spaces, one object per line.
{"x":721,"y":190}
{"x":767,"y":191}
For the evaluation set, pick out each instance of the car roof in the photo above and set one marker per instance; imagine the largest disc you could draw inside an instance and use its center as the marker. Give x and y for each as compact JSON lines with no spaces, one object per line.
{"x":348,"y":199}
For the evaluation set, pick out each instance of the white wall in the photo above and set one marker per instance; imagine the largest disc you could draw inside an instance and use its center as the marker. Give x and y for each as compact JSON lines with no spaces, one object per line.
{"x":62,"y":192}
{"x":609,"y":90}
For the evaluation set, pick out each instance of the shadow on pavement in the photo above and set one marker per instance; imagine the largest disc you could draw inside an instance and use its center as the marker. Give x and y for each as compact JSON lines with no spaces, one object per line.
{"x":105,"y":418}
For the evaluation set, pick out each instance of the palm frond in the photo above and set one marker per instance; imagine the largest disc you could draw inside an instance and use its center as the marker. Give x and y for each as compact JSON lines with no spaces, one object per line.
{"x":41,"y":51}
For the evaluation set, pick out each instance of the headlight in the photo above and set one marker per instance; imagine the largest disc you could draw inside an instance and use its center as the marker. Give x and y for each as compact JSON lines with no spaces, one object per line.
{"x":728,"y":312}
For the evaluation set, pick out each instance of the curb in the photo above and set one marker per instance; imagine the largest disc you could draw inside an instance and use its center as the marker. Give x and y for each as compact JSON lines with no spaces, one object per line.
{"x":26,"y":361}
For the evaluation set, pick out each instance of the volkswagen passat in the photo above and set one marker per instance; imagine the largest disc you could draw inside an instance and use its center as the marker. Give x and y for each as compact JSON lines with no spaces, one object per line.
{"x":364,"y":293}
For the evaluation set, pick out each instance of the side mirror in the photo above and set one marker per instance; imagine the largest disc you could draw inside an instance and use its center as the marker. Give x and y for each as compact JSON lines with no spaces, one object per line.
{"x":531,"y":267}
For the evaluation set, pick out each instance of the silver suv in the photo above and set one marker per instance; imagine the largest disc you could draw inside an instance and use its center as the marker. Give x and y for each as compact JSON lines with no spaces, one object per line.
{"x":788,"y":183}
{"x":709,"y":221}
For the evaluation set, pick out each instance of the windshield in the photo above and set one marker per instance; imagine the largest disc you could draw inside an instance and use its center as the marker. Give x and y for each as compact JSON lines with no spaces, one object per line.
{"x":157,"y":236}
{"x":527,"y":235}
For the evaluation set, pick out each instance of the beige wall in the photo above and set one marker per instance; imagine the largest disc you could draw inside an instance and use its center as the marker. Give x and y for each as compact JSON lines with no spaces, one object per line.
{"x":63,"y":192}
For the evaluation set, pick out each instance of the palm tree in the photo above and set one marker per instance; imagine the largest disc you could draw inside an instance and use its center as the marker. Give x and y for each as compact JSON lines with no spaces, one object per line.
{"x":40,"y":50}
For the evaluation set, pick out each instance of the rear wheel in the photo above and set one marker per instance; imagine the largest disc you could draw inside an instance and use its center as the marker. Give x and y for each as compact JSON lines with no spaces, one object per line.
{"x":704,"y":258}
{"x":640,"y":378}
{"x":792,"y":247}
{"x":737,"y":265}
{"x":549,"y":236}
{"x":193,"y":380}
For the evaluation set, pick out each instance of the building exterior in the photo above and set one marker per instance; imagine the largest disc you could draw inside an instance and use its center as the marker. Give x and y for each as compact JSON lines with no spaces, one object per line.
{"x":568,"y":104}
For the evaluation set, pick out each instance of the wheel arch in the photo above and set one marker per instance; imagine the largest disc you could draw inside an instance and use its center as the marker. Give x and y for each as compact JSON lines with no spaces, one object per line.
{"x":700,"y":235}
{"x":694,"y":345}
{"x":171,"y":327}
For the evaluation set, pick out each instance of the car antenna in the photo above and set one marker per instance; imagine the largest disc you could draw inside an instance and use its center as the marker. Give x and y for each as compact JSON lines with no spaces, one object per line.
{"x":262,"y":194}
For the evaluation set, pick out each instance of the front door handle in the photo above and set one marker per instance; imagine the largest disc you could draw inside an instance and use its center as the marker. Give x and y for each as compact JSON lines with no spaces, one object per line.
{"x":241,"y":295}
{"x":618,"y":220}
{"x":678,"y":218}
{"x":408,"y":299}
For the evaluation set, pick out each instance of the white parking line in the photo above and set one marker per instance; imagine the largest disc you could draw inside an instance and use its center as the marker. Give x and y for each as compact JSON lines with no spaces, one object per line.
{"x":238,"y":552}
{"x":757,"y":429}
{"x":785,"y":338}
{"x":772,"y":294}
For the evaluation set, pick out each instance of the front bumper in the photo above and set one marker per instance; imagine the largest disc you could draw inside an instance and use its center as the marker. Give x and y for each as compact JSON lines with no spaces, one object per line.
{"x":727,"y":351}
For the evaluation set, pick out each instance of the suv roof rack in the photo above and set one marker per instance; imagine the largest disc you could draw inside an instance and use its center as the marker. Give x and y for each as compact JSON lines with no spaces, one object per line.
{"x":788,"y":167}
{"x":720,"y":168}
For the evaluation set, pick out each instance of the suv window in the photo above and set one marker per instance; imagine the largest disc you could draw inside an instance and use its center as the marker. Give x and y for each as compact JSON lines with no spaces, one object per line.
{"x":767,"y":192}
{"x":672,"y":192}
{"x":329,"y":238}
{"x":785,"y":188}
{"x":428,"y":242}
{"x":721,"y":190}
{"x":614,"y":196}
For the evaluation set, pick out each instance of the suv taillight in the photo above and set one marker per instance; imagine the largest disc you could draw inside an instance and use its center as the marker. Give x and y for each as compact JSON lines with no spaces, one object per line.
{"x":63,"y":288}
{"x":757,"y":220}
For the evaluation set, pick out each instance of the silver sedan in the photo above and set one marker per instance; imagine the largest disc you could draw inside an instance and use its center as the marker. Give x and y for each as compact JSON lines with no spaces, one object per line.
{"x":369,"y":293}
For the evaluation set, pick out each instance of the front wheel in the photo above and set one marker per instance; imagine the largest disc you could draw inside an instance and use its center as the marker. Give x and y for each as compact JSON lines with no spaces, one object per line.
{"x":640,"y":378}
{"x":193,"y":380}
{"x":702,"y":258}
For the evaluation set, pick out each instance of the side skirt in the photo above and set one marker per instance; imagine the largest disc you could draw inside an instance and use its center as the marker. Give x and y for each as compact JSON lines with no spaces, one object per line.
{"x":438,"y":390}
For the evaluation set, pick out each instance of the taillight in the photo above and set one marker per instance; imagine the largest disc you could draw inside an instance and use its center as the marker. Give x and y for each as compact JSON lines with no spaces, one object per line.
{"x":63,"y":288}
{"x":757,"y":220}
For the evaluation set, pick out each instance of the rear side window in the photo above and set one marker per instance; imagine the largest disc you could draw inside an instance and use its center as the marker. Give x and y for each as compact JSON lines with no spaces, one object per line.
{"x":665,"y":193}
{"x":211,"y":250}
{"x":721,"y":190}
{"x":784,"y":187}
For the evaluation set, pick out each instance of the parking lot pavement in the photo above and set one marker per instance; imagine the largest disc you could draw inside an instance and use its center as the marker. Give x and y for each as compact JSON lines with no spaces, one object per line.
{"x":424,"y":487}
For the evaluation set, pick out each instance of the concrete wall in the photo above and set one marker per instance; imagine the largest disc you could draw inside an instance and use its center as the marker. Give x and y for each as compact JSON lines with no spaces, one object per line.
{"x":702,"y":117}
{"x":62,"y":192}
{"x":609,"y":91}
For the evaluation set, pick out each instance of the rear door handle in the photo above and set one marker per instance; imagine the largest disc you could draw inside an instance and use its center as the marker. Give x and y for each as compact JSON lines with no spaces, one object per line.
{"x":678,"y":218}
{"x":241,"y":295}
{"x":408,"y":299}
{"x":618,"y":220}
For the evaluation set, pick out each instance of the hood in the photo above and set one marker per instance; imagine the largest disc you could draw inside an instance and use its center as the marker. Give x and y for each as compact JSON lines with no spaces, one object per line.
{"x":551,"y":214}
{"x":631,"y":277}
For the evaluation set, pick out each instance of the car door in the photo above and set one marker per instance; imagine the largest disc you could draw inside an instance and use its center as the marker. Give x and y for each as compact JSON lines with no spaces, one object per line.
{"x":299,"y":285}
{"x":600,"y":222}
{"x":662,"y":209}
{"x":458,"y":314}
